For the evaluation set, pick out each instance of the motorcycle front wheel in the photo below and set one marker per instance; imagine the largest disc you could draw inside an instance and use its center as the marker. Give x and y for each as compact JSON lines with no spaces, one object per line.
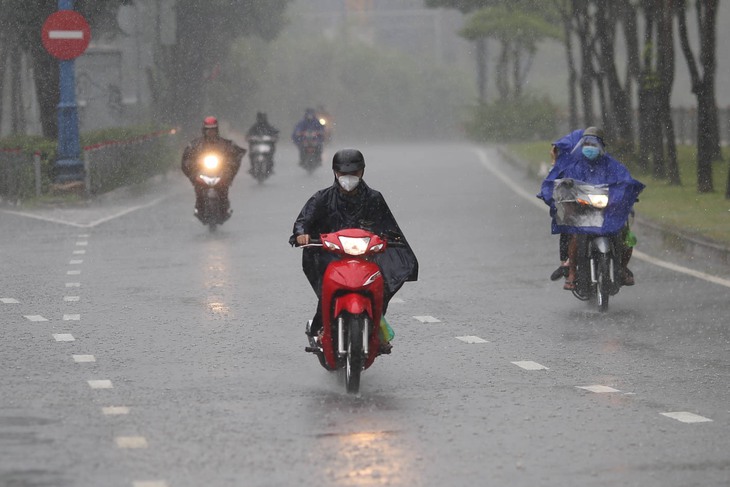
{"x":354,"y":361}
{"x":603,"y":286}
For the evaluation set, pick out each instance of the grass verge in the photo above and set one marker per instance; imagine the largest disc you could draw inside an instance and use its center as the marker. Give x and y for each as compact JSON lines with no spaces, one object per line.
{"x":705,"y":215}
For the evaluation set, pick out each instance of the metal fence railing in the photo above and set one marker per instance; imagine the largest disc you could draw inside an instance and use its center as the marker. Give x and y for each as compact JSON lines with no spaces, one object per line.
{"x":111,"y":164}
{"x":20,"y":175}
{"x":107,"y":166}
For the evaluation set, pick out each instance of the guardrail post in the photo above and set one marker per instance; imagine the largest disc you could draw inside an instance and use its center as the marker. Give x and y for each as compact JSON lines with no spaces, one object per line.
{"x":87,"y":173}
{"x":37,"y":171}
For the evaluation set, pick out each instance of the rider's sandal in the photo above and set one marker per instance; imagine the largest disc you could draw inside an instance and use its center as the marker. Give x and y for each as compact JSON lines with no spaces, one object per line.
{"x":561,"y":271}
{"x":385,"y":348}
{"x":569,"y":285}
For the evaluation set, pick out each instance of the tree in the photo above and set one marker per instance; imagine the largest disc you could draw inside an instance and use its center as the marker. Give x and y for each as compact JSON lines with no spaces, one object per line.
{"x":703,"y":86}
{"x":206,"y":30}
{"x":519,"y":31}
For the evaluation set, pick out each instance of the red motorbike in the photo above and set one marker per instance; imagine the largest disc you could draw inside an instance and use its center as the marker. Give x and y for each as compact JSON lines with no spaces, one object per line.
{"x":352,"y":304}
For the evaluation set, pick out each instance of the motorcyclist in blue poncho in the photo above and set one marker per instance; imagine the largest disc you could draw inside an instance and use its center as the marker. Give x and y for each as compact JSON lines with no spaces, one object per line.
{"x":588,"y":161}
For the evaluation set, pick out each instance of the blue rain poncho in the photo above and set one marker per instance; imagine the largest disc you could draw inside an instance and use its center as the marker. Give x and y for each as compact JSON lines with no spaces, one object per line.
{"x":607,"y":174}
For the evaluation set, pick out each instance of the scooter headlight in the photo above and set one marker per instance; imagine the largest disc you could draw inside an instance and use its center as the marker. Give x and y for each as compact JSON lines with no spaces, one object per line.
{"x":211,"y":161}
{"x":355,"y":245}
{"x":598,"y":200}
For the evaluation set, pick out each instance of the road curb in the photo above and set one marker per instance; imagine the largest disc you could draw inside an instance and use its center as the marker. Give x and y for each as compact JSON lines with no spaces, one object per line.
{"x":668,"y":238}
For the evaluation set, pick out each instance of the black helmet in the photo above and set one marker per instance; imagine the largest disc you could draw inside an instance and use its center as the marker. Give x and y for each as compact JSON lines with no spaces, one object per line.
{"x":348,"y":160}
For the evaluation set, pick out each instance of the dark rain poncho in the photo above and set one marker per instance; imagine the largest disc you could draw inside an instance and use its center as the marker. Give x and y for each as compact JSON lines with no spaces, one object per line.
{"x":330,"y":210}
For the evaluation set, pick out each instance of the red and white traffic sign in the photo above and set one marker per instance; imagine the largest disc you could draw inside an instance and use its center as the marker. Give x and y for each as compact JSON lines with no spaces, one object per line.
{"x":66,"y":34}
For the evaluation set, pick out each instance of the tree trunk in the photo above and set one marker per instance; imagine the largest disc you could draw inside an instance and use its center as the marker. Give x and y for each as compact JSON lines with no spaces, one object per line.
{"x":665,"y":69}
{"x":580,"y":13}
{"x":572,"y":75}
{"x":481,"y":62}
{"x":16,"y":86}
{"x":705,"y":103}
{"x":47,"y":73}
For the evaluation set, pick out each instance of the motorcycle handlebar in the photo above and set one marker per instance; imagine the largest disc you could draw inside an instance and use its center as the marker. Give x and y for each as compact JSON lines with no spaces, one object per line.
{"x":315,"y":242}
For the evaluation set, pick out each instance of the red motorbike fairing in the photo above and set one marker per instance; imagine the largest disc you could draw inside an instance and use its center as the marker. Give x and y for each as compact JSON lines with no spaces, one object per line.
{"x":354,"y":286}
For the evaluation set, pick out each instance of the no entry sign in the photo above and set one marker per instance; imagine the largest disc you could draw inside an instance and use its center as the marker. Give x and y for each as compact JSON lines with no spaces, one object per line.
{"x":66,"y":34}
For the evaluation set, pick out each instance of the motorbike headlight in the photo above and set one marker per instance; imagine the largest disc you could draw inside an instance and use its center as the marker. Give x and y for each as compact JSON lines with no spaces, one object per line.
{"x":598,"y":200}
{"x":211,"y":161}
{"x":323,"y":121}
{"x":376,"y":248}
{"x":355,"y":245}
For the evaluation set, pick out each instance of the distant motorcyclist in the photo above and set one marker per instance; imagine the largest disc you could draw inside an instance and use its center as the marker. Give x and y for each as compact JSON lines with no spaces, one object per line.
{"x":260,"y":130}
{"x":229,"y":152}
{"x":309,"y":129}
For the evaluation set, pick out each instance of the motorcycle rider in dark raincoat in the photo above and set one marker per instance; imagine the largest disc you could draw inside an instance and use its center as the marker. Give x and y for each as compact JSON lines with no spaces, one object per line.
{"x":262,"y":128}
{"x":211,"y":141}
{"x":350,"y":203}
{"x":589,"y":162}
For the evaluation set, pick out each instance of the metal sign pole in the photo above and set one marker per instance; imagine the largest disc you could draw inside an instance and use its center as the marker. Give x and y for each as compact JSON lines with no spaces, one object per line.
{"x":68,"y":165}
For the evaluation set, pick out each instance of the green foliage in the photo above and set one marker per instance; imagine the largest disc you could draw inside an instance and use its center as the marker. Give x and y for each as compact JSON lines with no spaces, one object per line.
{"x":522,"y":28}
{"x":140,"y":164}
{"x":525,"y":118}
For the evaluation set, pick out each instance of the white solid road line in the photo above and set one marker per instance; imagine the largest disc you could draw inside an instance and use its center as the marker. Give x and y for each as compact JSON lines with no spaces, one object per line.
{"x":686,"y":417}
{"x":491,"y":167}
{"x":86,"y":225}
{"x":472,"y":339}
{"x":598,"y":389}
{"x":529,"y":365}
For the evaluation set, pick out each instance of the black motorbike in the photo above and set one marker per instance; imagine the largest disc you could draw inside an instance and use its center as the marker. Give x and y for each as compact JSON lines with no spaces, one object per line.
{"x":310,"y":150}
{"x":598,"y":264}
{"x":210,"y":171}
{"x":261,"y":155}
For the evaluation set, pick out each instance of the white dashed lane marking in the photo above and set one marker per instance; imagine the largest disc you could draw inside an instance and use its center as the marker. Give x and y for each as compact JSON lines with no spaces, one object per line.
{"x":686,"y":417}
{"x":598,"y":389}
{"x":529,"y":365}
{"x":131,"y":442}
{"x":427,"y":319}
{"x":82,"y":243}
{"x":71,"y":317}
{"x":73,"y":273}
{"x":70,"y":299}
{"x":149,"y":483}
{"x":75,"y":262}
{"x":9,"y":300}
{"x":73,"y":284}
{"x":84,"y":235}
{"x":84,"y":358}
{"x":79,"y":252}
{"x":115,"y":410}
{"x":63,"y":337}
{"x":34,"y":318}
{"x":397,"y":300}
{"x":472,"y":339}
{"x":100,"y":384}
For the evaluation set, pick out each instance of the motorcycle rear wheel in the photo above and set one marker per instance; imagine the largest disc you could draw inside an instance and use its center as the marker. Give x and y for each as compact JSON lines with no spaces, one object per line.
{"x":354,"y":360}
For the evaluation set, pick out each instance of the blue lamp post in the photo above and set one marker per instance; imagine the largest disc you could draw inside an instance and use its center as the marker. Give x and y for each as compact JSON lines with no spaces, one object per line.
{"x":68,"y":166}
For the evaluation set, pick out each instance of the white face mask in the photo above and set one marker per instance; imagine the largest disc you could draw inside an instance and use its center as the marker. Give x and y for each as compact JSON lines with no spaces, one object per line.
{"x":348,"y":183}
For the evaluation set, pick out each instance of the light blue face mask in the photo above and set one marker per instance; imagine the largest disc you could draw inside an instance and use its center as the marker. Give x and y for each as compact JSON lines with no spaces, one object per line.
{"x":591,"y":153}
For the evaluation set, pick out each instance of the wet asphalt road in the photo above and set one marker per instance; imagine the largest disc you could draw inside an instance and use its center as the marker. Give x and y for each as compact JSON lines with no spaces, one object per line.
{"x":199,"y":377}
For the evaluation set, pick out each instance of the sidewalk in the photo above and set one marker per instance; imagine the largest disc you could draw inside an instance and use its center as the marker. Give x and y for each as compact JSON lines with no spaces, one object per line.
{"x":667,"y":243}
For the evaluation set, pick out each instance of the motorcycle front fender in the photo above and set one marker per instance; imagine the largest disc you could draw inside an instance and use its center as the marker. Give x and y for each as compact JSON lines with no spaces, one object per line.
{"x":602,"y":245}
{"x":354,"y":304}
